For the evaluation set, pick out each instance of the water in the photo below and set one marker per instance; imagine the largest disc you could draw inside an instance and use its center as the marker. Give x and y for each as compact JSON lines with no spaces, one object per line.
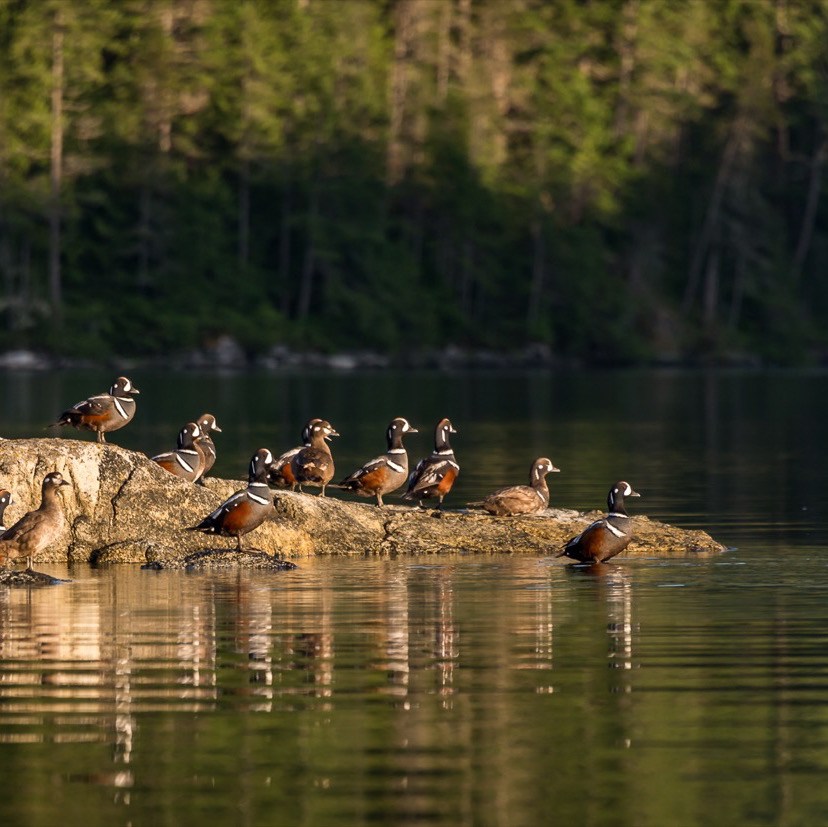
{"x":478,"y":690}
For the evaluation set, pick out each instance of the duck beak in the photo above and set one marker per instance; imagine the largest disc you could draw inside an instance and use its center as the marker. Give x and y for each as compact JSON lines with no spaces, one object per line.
{"x":64,"y":482}
{"x":413,"y":430}
{"x":633,"y":494}
{"x":216,"y":429}
{"x":553,"y":468}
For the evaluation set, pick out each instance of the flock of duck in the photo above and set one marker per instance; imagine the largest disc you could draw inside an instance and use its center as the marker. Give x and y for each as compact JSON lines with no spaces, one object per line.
{"x":309,"y":464}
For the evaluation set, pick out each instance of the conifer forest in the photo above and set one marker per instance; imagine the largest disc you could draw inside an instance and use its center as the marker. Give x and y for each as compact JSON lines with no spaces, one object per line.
{"x":619,"y":181}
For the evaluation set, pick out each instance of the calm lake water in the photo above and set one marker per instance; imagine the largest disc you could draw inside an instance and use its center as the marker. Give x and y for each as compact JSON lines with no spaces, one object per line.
{"x":457,"y":690}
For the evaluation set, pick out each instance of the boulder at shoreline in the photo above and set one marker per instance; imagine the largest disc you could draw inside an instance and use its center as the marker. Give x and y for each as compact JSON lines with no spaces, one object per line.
{"x":123,"y":508}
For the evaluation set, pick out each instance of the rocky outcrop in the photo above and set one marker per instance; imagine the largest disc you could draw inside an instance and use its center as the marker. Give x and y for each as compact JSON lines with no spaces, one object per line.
{"x":121,"y":507}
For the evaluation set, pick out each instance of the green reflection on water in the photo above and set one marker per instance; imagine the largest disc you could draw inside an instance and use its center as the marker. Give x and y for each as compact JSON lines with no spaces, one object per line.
{"x":461,"y":691}
{"x":490,"y":690}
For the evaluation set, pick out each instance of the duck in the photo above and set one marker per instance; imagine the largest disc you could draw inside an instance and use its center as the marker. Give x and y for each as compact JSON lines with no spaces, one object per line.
{"x":105,"y":412}
{"x":186,"y":461}
{"x":435,"y":475}
{"x":605,"y":538}
{"x":386,"y":473}
{"x":280,"y":474}
{"x":245,"y":510}
{"x":521,"y":499}
{"x":5,"y":501}
{"x":37,"y":529}
{"x":204,"y":444}
{"x":313,"y":464}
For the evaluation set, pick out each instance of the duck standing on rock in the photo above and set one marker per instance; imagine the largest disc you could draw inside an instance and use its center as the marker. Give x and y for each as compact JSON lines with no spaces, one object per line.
{"x":105,"y":412}
{"x":5,"y":501}
{"x":607,"y":537}
{"x":245,"y":510}
{"x":313,"y":464}
{"x":434,"y":476}
{"x":35,"y":530}
{"x":205,"y":445}
{"x":280,"y":474}
{"x":387,"y":473}
{"x":186,"y":461}
{"x":521,"y":499}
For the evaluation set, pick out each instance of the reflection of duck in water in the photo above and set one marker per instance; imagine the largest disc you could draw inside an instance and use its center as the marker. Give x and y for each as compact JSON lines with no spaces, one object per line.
{"x":607,"y":537}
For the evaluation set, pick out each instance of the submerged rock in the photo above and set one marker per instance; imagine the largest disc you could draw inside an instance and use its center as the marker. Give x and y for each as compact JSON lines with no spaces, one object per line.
{"x":28,"y":577}
{"x":123,"y":508}
{"x":218,"y":559}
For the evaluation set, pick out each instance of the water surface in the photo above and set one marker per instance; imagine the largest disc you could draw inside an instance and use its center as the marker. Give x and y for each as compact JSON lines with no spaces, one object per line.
{"x":479,"y":690}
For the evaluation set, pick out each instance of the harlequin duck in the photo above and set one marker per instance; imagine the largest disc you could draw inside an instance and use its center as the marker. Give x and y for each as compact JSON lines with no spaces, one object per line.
{"x":280,"y":473}
{"x":246,"y":509}
{"x":5,"y":500}
{"x":35,"y":530}
{"x":186,"y":461}
{"x":313,"y":464}
{"x":387,"y":473}
{"x":522,"y":499}
{"x":607,"y":537}
{"x":435,"y":475}
{"x":105,"y":412}
{"x":204,"y":443}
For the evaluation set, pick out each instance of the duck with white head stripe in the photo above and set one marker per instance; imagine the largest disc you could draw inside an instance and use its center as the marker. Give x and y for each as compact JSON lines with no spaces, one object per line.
{"x":245,"y":510}
{"x":605,"y":538}
{"x":105,"y":412}
{"x":387,"y":473}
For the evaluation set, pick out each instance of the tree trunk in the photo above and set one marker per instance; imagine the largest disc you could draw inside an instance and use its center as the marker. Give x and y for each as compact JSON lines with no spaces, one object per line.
{"x":244,"y":215}
{"x":398,"y":91}
{"x":711,"y":218}
{"x":309,"y":264}
{"x":711,"y":289}
{"x":56,"y":174}
{"x":538,"y":275}
{"x":806,"y":230}
{"x":284,"y":242}
{"x":144,"y":234}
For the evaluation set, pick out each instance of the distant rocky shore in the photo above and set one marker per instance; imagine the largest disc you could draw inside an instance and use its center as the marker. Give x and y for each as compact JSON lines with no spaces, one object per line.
{"x":225,"y":353}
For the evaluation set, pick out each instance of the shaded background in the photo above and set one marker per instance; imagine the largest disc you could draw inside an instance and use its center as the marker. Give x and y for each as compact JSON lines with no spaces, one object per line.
{"x":618,"y":180}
